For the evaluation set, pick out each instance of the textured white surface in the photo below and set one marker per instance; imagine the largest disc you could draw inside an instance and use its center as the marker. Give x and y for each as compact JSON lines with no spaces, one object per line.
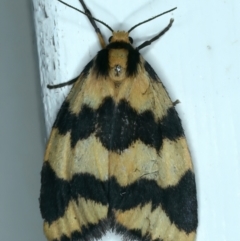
{"x":198,"y":62}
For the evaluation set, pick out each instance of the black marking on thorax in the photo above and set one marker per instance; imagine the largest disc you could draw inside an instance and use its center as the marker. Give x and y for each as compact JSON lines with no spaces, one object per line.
{"x":102,"y":59}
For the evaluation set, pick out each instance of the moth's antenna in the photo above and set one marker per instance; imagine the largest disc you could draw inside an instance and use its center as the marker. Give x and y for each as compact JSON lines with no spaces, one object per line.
{"x":148,"y":42}
{"x":91,"y":19}
{"x":150,"y":19}
{"x":89,"y":16}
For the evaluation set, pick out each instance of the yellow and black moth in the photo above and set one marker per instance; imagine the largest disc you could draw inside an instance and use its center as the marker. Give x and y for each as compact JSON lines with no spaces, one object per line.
{"x":117,"y":158}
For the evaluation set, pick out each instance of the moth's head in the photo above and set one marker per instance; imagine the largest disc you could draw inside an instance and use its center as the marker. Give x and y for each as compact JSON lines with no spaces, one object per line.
{"x":120,"y":36}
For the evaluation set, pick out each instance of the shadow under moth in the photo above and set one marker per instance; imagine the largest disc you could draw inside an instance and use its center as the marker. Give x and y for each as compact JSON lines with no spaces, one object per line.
{"x":117,"y":158}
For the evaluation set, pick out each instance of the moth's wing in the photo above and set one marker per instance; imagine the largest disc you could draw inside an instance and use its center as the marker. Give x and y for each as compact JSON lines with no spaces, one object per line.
{"x":152,"y":180}
{"x":73,"y":199}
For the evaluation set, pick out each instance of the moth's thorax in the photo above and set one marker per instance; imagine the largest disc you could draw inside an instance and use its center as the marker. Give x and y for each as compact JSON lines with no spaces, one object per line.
{"x":117,"y":63}
{"x":118,"y":57}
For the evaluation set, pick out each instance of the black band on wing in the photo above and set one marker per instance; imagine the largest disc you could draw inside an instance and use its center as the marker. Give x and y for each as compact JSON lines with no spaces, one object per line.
{"x":118,"y":126}
{"x":56,"y":193}
{"x":179,"y":201}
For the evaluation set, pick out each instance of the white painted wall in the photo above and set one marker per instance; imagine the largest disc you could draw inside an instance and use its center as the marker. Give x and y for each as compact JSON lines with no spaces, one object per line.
{"x":197,"y":60}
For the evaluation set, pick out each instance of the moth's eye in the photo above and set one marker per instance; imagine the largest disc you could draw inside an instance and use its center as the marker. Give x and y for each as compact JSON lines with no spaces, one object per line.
{"x":109,"y":40}
{"x":130,"y":39}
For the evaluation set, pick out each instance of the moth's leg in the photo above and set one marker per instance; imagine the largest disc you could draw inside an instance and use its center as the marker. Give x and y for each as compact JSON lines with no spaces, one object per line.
{"x":70,"y":82}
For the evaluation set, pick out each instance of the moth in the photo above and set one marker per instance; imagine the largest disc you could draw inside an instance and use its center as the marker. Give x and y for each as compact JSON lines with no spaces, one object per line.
{"x":117,"y":158}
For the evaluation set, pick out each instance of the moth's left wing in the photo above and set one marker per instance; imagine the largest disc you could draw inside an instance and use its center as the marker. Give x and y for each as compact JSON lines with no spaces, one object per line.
{"x":74,"y":177}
